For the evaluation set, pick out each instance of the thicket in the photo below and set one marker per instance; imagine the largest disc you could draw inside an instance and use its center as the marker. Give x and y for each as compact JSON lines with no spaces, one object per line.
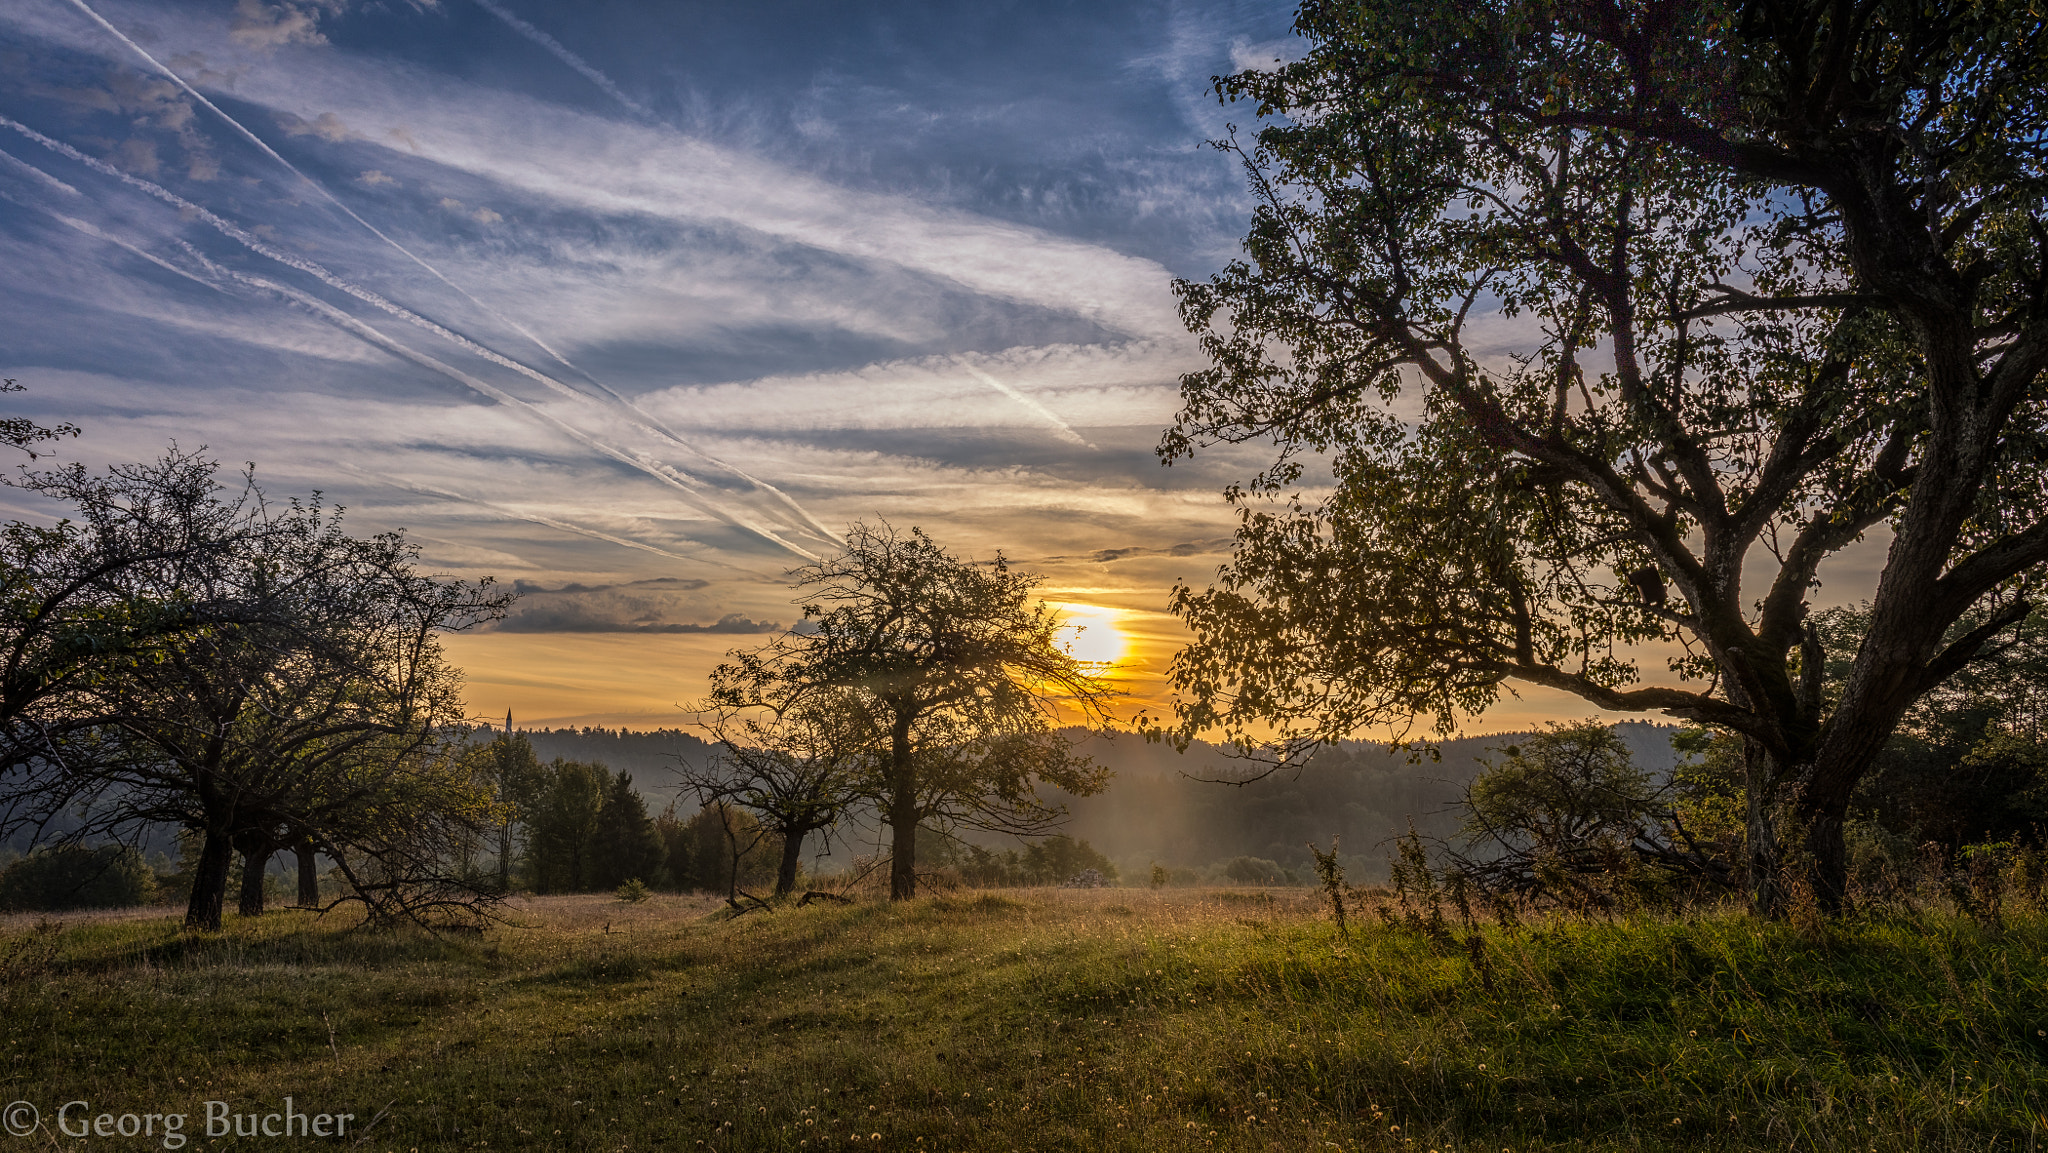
{"x":1051,"y":860}
{"x":77,"y":877}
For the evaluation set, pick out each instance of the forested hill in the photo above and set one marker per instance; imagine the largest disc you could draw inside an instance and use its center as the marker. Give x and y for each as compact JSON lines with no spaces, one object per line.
{"x":1155,"y":811}
{"x":651,"y":756}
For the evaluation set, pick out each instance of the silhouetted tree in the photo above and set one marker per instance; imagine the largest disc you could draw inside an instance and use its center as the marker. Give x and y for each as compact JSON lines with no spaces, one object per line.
{"x":1770,"y":276}
{"x":958,"y":674}
{"x":796,"y":771}
{"x":304,"y":691}
{"x":624,"y":846}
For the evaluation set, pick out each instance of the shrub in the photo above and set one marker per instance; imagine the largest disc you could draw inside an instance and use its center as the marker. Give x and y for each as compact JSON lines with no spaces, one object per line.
{"x":75,"y":877}
{"x":1253,"y":871}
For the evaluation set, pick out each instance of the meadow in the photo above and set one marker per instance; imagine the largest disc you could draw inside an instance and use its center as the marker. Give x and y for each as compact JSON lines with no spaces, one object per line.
{"x":1040,"y":1019}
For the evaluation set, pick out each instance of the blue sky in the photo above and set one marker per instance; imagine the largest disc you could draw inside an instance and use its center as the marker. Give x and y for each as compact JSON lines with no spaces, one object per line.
{"x":638,"y":304}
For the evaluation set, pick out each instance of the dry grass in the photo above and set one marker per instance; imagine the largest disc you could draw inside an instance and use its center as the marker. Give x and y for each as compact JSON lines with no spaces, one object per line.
{"x":1114,"y":1019}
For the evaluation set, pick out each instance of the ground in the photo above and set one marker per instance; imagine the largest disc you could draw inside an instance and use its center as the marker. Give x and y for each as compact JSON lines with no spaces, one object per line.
{"x":1115,"y":1019}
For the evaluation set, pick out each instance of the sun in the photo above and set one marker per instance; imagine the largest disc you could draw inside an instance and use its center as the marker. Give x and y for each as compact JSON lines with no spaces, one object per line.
{"x":1091,"y":633}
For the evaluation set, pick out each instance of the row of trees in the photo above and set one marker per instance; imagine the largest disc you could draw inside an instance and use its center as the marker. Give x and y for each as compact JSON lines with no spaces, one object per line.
{"x":578,"y":827}
{"x":175,"y":651}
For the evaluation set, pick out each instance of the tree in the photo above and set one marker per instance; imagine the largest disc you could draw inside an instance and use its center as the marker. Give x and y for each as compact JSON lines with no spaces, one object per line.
{"x":294,"y":697}
{"x":514,"y":772}
{"x":1595,"y":310}
{"x":561,"y":817}
{"x":1969,"y":761}
{"x":625,"y":847}
{"x":146,"y":560}
{"x":1567,"y":814}
{"x":797,"y":771}
{"x":957,"y":674}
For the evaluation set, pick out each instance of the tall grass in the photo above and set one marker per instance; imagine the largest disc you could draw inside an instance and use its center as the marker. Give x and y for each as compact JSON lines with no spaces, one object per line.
{"x":1119,"y":1019}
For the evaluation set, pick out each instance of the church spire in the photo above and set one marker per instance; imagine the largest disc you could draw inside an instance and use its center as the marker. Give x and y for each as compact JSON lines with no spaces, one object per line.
{"x":508,"y":722}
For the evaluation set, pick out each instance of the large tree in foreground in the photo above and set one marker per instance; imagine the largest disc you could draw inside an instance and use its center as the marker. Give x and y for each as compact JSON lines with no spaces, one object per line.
{"x":955,"y":673}
{"x":1612,"y":321}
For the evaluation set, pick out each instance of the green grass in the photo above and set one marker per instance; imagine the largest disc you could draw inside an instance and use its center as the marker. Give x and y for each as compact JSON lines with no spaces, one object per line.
{"x":1118,"y":1020}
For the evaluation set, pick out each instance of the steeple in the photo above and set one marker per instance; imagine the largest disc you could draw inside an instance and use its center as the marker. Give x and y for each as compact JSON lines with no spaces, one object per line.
{"x":508,"y":722}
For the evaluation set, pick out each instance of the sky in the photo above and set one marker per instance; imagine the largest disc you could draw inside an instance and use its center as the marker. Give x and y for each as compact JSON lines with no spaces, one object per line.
{"x":637,"y":306}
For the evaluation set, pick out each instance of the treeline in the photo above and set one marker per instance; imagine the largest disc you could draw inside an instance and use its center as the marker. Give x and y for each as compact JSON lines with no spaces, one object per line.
{"x":575,"y":826}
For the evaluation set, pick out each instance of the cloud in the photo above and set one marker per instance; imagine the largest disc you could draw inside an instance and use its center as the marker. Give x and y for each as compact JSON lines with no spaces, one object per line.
{"x":266,"y":27}
{"x":1185,"y":548}
{"x":679,"y":584}
{"x":327,"y":126}
{"x":375,"y":178}
{"x":486,"y":217}
{"x":661,"y":605}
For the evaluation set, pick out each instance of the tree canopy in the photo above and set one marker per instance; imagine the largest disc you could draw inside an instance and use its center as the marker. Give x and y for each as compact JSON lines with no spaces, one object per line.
{"x":246,"y":670}
{"x":951,"y":669}
{"x":1568,"y":320}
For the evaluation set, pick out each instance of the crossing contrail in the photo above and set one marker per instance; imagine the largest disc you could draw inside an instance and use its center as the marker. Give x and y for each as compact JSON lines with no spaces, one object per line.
{"x":546,"y":521}
{"x":648,"y":423}
{"x":668,"y":475}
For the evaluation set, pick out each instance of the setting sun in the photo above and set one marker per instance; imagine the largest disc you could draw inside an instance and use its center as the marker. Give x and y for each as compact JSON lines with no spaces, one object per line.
{"x":1093,"y":635}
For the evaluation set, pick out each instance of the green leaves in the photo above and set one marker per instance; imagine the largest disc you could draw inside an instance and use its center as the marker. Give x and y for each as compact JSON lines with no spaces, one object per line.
{"x":1554,"y":314}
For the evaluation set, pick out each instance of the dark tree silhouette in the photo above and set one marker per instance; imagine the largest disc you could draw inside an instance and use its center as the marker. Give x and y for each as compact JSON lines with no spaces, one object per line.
{"x":1757,"y":279}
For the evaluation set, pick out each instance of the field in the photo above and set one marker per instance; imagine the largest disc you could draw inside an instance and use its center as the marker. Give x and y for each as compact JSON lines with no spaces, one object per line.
{"x":1112,"y":1020}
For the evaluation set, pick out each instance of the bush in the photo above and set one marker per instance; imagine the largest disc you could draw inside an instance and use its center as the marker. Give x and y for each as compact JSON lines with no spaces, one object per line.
{"x":1253,"y":871}
{"x":75,"y":877}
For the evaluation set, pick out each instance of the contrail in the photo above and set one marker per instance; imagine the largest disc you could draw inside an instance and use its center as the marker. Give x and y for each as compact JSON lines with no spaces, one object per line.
{"x":1066,"y":433}
{"x":640,"y":461}
{"x":309,"y":181}
{"x":561,"y":53}
{"x":603,"y":82}
{"x":567,"y":57}
{"x":680,"y":483}
{"x":97,"y":233}
{"x":548,"y":522}
{"x":39,"y":174}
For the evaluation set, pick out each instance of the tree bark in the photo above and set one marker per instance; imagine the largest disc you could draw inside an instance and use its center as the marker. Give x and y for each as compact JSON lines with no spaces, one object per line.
{"x":792,"y":859}
{"x":309,"y":876}
{"x":255,"y":859}
{"x":505,"y":856}
{"x":1765,"y":855}
{"x":209,"y":883}
{"x":903,"y":814}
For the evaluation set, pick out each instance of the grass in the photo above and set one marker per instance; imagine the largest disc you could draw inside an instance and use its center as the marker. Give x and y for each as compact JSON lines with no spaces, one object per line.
{"x":1113,"y":1020}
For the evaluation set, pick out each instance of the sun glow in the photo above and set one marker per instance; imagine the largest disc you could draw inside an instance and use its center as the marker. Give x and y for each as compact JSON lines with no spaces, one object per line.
{"x":1092,"y":634}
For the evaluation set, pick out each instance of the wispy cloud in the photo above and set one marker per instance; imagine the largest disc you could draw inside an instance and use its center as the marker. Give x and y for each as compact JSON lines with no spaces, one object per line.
{"x":395,"y":252}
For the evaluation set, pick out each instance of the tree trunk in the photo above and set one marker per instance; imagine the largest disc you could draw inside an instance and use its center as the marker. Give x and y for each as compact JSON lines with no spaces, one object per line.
{"x":209,"y":883}
{"x":903,"y":814}
{"x":255,"y":859}
{"x":309,"y":876}
{"x":1828,"y":858}
{"x":1765,"y":855}
{"x":792,"y":858}
{"x":903,"y":849}
{"x":505,"y":856}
